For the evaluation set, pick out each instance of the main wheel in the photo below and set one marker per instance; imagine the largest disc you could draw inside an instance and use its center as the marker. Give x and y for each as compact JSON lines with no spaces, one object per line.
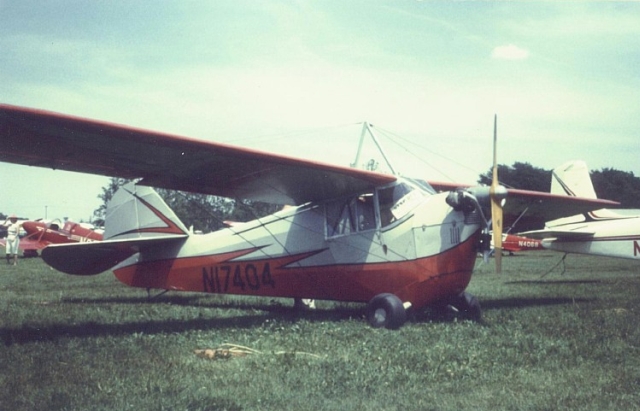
{"x":386,"y":310}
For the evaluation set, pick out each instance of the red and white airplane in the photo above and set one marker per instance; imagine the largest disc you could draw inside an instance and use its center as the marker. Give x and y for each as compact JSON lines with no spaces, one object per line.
{"x":351,"y":235}
{"x":40,"y":234}
{"x":513,"y":243}
{"x":601,"y":232}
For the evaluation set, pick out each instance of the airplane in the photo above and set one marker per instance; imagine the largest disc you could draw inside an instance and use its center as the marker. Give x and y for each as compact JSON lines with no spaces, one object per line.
{"x":393,"y":242}
{"x":601,"y":232}
{"x":514,"y":243}
{"x":40,"y":234}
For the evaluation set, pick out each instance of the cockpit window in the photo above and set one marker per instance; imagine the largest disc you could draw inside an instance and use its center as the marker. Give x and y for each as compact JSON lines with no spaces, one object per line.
{"x":424,"y":185}
{"x":397,"y":201}
{"x":373,"y":209}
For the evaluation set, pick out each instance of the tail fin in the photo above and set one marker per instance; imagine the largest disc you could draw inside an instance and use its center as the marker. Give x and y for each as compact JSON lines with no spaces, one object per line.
{"x":138,"y":212}
{"x":572,"y":179}
{"x":137,"y":218}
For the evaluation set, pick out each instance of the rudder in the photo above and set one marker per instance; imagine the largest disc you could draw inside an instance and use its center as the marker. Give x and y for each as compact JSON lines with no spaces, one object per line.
{"x":139,"y":212}
{"x":572,"y":179}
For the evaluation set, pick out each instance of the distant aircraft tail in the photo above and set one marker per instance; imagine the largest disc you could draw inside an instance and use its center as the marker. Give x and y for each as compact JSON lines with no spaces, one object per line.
{"x":572,"y":178}
{"x":137,"y":219}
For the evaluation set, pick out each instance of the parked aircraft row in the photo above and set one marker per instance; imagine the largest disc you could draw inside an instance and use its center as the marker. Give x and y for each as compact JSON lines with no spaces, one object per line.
{"x":39,"y":234}
{"x":395,"y":242}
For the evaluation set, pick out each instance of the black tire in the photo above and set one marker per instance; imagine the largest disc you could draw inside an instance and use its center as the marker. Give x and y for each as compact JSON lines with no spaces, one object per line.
{"x":468,"y":305}
{"x":386,"y":310}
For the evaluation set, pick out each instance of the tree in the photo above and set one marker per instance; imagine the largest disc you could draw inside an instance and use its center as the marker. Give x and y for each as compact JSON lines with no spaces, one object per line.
{"x":523,"y":176}
{"x":203,"y":212}
{"x":107,"y":194}
{"x":207,"y":213}
{"x":617,"y":185}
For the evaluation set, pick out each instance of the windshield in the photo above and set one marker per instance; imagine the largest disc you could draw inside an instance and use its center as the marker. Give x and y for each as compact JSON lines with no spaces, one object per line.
{"x":423,"y":184}
{"x":397,"y":201}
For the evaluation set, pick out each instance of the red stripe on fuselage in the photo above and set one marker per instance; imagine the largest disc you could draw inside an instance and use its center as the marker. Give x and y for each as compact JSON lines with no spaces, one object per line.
{"x":421,"y":281}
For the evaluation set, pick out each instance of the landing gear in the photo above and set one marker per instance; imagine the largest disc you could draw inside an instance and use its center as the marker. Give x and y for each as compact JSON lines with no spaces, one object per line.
{"x":386,"y":310}
{"x":467,"y":306}
{"x":304,"y":304}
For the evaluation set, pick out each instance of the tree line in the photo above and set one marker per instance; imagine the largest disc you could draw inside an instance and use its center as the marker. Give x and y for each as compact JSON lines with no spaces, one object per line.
{"x":203,"y":212}
{"x":608,"y":183}
{"x":207,"y":213}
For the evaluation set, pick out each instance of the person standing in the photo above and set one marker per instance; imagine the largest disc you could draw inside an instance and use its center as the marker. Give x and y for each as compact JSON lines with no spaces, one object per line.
{"x":13,"y":239}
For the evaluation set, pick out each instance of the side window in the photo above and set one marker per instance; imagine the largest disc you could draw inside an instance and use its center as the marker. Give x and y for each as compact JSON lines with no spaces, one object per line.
{"x":366,"y":212}
{"x":341,"y":217}
{"x":351,"y":215}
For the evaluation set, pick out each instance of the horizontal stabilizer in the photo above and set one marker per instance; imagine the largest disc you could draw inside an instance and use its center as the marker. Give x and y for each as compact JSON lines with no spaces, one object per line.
{"x":97,"y":257}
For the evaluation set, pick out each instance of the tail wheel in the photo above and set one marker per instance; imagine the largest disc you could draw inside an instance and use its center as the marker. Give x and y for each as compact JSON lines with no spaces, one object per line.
{"x":386,"y":310}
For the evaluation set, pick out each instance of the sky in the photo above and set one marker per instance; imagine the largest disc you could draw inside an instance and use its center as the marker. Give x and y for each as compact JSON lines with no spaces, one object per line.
{"x":299,"y":77}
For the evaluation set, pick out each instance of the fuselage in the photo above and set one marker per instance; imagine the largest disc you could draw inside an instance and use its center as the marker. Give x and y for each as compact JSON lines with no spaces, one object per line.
{"x":614,"y":238}
{"x":52,"y":234}
{"x":514,"y":243}
{"x":402,"y":239}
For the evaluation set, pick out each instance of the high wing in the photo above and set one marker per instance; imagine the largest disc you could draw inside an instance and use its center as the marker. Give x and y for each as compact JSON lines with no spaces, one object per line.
{"x":27,"y":245}
{"x":534,"y":208}
{"x":46,"y":139}
{"x":30,"y":242}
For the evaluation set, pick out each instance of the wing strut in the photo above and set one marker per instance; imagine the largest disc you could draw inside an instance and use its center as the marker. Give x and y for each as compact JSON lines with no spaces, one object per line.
{"x":367,"y":129}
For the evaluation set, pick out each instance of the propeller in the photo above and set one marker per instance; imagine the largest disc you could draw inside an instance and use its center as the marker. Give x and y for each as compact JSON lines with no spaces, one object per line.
{"x":479,"y":198}
{"x":497,"y":194}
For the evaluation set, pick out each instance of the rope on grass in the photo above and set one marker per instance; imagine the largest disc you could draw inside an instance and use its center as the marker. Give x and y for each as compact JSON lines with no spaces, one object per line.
{"x":227,"y":351}
{"x":564,"y":267}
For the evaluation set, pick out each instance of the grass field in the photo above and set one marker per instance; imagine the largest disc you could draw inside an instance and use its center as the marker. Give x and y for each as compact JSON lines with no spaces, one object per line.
{"x":569,"y":339}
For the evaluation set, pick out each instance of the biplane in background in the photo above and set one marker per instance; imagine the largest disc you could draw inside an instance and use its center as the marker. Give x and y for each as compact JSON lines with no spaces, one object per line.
{"x":601,"y":232}
{"x":352,"y":235}
{"x":40,"y":234}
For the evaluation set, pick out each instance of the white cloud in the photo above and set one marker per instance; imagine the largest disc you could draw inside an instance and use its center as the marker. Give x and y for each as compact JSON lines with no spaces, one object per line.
{"x":509,"y":52}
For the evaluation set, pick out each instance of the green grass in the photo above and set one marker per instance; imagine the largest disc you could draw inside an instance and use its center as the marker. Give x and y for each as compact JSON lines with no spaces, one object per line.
{"x":565,"y":340}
